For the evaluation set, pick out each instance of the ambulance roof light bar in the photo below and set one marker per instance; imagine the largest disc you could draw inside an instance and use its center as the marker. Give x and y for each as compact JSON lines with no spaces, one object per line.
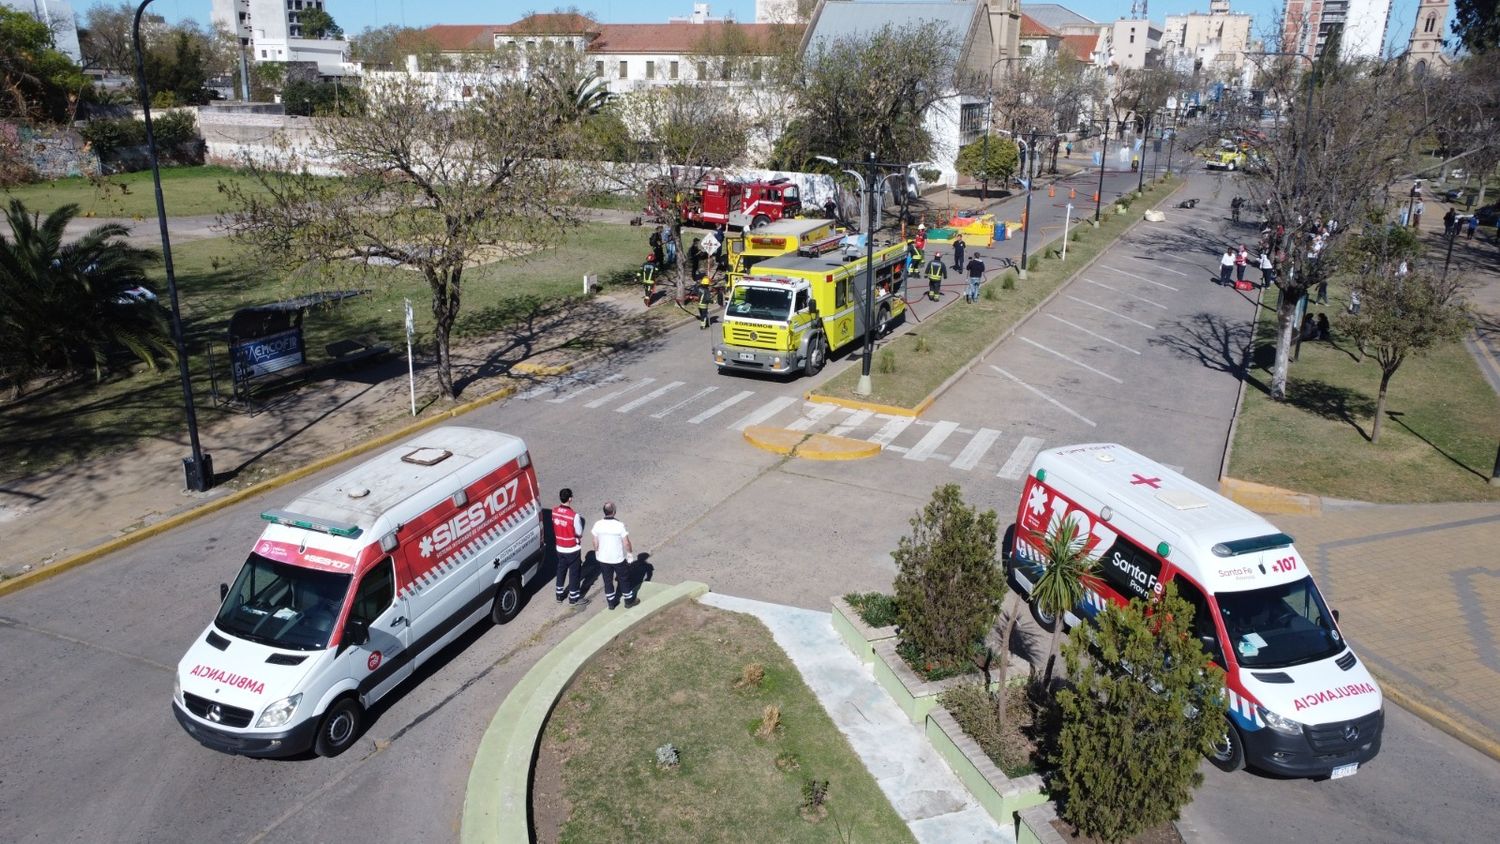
{"x":1250,"y":545}
{"x":297,"y":520}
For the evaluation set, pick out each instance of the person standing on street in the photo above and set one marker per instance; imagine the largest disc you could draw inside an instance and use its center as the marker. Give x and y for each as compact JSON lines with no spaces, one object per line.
{"x":657,"y":249}
{"x":613,"y":553}
{"x":976,"y":275}
{"x":1416,"y":214}
{"x":1448,"y":220}
{"x":1226,"y":266}
{"x":705,"y":292}
{"x":1267,"y":268}
{"x":695,"y":257}
{"x":669,"y":240}
{"x":1472,"y":227}
{"x":567,"y":533}
{"x":958,"y":252}
{"x":1241,"y":258}
{"x":937,"y":273}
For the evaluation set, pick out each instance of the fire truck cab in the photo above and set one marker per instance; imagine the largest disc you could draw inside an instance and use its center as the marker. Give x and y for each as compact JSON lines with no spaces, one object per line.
{"x":741,"y":205}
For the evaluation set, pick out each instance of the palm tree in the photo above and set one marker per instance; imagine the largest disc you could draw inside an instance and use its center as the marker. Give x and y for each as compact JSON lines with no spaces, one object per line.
{"x":68,"y":307}
{"x":1061,"y":585}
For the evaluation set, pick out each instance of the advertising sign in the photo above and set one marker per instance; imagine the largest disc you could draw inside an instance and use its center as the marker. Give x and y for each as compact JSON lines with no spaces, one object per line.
{"x":263,"y":355}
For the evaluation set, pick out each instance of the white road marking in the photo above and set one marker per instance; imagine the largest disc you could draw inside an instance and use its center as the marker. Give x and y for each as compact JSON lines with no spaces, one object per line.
{"x":812,"y":414}
{"x":585,"y":388}
{"x":1020,"y":459}
{"x":603,"y":400}
{"x":856,"y":419}
{"x":651,"y":396}
{"x":890,"y":430}
{"x":928,"y":444}
{"x":721,"y":406}
{"x":1071,"y":360}
{"x":689,"y":400}
{"x":981,"y":442}
{"x":1110,"y":312}
{"x":553,"y":386}
{"x":1141,"y":277}
{"x":1157,"y":265}
{"x":1124,"y":293}
{"x":764,"y":412}
{"x":1092,"y":334}
{"x":1041,"y":395}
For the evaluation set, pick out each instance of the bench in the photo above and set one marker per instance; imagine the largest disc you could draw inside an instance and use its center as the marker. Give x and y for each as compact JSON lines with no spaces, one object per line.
{"x":353,"y":350}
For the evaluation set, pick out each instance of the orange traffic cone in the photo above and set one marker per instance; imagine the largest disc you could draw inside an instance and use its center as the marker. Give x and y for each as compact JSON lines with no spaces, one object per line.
{"x":1051,"y":190}
{"x":1096,"y":196}
{"x":1072,"y":193}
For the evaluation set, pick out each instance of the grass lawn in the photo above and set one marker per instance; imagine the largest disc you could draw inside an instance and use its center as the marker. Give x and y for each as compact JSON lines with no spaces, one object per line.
{"x":1437,"y":443}
{"x":933,"y":350}
{"x":186,"y":191}
{"x":675,"y":679}
{"x":215,"y":277}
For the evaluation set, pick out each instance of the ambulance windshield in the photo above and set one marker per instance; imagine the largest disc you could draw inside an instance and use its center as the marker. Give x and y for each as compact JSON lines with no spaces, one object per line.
{"x":283,"y":605}
{"x":761,"y":302}
{"x":1279,"y":626}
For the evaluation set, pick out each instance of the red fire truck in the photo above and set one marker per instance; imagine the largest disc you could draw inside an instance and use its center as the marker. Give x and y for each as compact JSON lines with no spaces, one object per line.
{"x":739,"y":205}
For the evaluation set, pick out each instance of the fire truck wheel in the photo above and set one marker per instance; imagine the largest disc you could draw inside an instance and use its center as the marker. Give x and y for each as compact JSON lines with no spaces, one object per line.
{"x":1228,"y":754}
{"x":817,"y":355}
{"x":507,"y":600}
{"x":883,"y":322}
{"x":340,"y":727}
{"x":760,"y":221}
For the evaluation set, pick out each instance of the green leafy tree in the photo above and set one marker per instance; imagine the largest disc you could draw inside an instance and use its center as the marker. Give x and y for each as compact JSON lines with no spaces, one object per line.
{"x":180,"y":71}
{"x":317,"y":23}
{"x":1061,"y":586}
{"x":1144,"y":705}
{"x":1477,"y":24}
{"x":948,"y":587}
{"x":37,"y":82}
{"x":64,"y":307}
{"x":998,"y":165}
{"x":321,"y":99}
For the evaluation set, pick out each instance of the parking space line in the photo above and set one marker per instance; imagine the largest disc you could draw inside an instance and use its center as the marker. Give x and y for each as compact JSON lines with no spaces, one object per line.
{"x":651,"y":396}
{"x":689,"y":400}
{"x":764,"y":412}
{"x":1124,"y":293}
{"x":1110,"y":312}
{"x":585,"y":388}
{"x":1071,"y":360}
{"x":603,"y":400}
{"x":1020,"y":459}
{"x":1157,"y":265}
{"x":812,"y":414}
{"x":856,"y":419}
{"x":1092,"y":334}
{"x":978,"y":445}
{"x":890,"y":430}
{"x":1043,"y":396}
{"x":721,"y":406}
{"x":929,"y":444}
{"x":1140,"y":277}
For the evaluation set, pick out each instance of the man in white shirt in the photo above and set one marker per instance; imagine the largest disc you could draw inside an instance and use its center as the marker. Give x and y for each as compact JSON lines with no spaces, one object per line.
{"x":614,"y":555}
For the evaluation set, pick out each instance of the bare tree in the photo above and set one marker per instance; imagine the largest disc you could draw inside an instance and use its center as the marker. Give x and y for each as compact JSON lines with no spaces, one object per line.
{"x":429,"y":188}
{"x":106,"y":43}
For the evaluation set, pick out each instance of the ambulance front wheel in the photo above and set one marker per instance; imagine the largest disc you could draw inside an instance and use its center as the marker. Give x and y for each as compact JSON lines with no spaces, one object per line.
{"x":1229,"y":751}
{"x":507,"y":600}
{"x":1045,"y":620}
{"x":340,"y":727}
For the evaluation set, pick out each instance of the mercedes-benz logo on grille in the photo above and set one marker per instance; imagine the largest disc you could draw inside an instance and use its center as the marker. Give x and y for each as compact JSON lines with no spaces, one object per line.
{"x":215,"y":713}
{"x":1351,"y":732}
{"x":754,"y":336}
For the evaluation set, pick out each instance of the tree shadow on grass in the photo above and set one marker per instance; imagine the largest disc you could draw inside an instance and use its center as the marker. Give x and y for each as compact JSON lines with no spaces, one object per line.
{"x":1396,"y":416}
{"x":1330,"y":401}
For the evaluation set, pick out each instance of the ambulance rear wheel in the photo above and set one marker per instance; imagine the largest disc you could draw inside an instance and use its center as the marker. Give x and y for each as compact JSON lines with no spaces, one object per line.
{"x":1228,"y":754}
{"x":1045,"y":620}
{"x":507,"y":600}
{"x":340,"y":727}
{"x":817,"y":355}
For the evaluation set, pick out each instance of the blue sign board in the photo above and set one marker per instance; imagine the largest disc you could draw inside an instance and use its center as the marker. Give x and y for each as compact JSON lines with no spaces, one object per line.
{"x":263,"y":355}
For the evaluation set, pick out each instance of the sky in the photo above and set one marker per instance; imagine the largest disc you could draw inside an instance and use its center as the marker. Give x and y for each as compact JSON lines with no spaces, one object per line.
{"x":355,"y":15}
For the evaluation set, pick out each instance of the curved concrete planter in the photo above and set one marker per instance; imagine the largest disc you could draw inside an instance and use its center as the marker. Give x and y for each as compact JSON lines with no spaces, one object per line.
{"x":1000,"y":795}
{"x":859,"y":636}
{"x":914,"y":695}
{"x":1034,"y":825}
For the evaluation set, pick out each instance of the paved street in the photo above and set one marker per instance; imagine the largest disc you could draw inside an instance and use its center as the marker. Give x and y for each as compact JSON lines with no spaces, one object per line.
{"x":1136,"y":350}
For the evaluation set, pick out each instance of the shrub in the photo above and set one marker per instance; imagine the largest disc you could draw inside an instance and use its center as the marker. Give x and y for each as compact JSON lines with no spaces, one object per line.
{"x":173,"y":128}
{"x":990,"y":294}
{"x":922,"y":345}
{"x":1145,"y":704}
{"x":1032,"y":263}
{"x":887,"y":362}
{"x":1009,"y":282}
{"x":875,"y":608}
{"x":972,"y":705}
{"x":751,"y":676}
{"x":770,"y":721}
{"x":948,"y":586}
{"x":106,"y":134}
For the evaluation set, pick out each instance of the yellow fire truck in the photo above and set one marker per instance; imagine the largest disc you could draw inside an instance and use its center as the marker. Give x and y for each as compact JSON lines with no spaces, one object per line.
{"x":793,"y":310}
{"x":780,"y":238}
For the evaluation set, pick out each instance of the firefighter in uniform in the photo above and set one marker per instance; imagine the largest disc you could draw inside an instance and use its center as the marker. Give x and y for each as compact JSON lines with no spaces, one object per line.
{"x":705,"y":292}
{"x":937,"y":273}
{"x":567,"y":533}
{"x":648,"y":278}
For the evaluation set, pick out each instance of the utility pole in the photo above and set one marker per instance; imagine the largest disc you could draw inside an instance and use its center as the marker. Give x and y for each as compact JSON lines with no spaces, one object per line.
{"x":1026,"y":229}
{"x":1103,"y":154}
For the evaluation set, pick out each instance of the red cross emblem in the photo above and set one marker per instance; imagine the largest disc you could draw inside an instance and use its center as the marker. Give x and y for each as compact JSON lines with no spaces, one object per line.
{"x":1154,"y":483}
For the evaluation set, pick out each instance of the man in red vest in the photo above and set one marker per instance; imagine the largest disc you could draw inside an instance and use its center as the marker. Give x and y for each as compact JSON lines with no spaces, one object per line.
{"x":567,"y":533}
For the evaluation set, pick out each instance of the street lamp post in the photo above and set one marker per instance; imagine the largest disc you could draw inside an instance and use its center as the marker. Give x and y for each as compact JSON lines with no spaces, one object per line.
{"x":199,"y":468}
{"x":1140,"y":182}
{"x":1103,"y":154}
{"x":1026,"y":229}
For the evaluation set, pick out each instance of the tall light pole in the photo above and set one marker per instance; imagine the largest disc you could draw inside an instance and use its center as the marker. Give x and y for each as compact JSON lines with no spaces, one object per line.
{"x":1103,"y":154}
{"x":199,"y":468}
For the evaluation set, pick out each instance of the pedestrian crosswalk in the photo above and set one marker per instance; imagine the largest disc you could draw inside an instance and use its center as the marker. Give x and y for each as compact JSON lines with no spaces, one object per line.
{"x":964,"y":449}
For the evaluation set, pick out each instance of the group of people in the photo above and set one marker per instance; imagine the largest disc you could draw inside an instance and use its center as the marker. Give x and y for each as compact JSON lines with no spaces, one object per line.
{"x":611,"y":548}
{"x":706,"y":256}
{"x":1452,"y":223}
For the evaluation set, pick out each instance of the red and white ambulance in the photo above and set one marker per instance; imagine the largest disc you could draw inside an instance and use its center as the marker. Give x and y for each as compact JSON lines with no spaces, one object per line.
{"x":354,"y":585}
{"x":1300,"y":703}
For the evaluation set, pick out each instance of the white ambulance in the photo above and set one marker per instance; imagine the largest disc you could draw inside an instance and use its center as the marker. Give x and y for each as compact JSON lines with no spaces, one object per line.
{"x":1300,"y":703}
{"x":354,"y":585}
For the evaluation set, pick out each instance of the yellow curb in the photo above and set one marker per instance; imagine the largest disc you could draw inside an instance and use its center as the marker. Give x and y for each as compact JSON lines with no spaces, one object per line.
{"x":809,"y":446}
{"x":856,"y":404}
{"x":1393,"y":690}
{"x":1270,"y":499}
{"x":542,"y":369}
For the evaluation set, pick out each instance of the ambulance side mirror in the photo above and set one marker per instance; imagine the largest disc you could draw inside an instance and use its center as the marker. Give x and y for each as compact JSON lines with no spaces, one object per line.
{"x":356,"y":632}
{"x":1335,"y":616}
{"x":1210,"y":642}
{"x":223,"y":592}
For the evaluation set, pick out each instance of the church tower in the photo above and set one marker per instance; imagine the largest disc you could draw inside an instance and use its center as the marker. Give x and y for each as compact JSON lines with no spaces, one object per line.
{"x":1424,"y":52}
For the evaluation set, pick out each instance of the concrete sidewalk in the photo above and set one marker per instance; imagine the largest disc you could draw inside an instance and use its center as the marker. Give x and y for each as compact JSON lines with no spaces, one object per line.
{"x":924,"y":792}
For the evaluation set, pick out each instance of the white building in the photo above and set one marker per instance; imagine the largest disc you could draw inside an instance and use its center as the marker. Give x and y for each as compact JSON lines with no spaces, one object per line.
{"x":1219,"y":38}
{"x":58,"y":16}
{"x":1131,"y":44}
{"x":1364,"y":28}
{"x":271,"y":31}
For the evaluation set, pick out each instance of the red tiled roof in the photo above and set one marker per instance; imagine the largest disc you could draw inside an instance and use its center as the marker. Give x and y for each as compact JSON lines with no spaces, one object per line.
{"x":1032,"y":28}
{"x":452,"y":37}
{"x":675,"y":38}
{"x":1080,"y":46}
{"x":559,"y":23}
